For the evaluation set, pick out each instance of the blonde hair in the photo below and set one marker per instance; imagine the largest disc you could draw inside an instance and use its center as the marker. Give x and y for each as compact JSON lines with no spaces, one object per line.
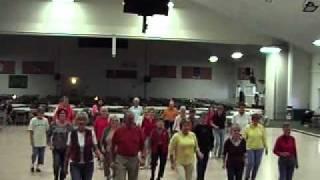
{"x":114,"y":118}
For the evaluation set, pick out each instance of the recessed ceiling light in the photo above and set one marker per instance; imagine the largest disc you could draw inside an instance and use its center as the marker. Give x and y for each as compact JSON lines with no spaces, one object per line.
{"x":316,"y":42}
{"x":170,"y":4}
{"x":236,"y":55}
{"x":213,"y":59}
{"x":270,"y":49}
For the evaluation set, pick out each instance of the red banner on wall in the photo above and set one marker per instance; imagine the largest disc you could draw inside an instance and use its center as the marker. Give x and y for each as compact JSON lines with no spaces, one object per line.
{"x":157,"y":71}
{"x":36,"y":67}
{"x":196,"y":73}
{"x":7,"y":67}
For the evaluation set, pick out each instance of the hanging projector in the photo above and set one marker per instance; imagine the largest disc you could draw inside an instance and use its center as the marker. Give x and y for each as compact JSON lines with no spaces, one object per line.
{"x":146,"y":8}
{"x":311,"y":5}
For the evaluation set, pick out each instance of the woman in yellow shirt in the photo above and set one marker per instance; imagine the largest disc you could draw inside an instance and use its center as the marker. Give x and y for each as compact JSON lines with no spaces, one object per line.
{"x":255,"y":137}
{"x":183,"y":148}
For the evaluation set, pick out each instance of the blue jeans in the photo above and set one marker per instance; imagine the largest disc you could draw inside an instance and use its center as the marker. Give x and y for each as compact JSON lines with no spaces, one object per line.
{"x":254,"y":160}
{"x":81,"y":171}
{"x":219,"y":141}
{"x":286,"y":168}
{"x":38,"y":153}
{"x":58,"y":163}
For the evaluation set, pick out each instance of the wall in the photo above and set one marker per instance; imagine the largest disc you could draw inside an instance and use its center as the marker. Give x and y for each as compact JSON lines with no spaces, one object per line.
{"x":27,"y":49}
{"x":315,"y":86}
{"x":90,"y":66}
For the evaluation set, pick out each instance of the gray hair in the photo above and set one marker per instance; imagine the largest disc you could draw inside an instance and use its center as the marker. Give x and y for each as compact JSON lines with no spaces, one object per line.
{"x":136,"y":99}
{"x":82,"y":115}
{"x":236,"y":126}
{"x":183,"y":108}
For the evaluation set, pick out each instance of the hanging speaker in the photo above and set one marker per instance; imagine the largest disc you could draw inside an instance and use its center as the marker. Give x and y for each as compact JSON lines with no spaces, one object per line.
{"x":147,"y":79}
{"x":57,"y":76}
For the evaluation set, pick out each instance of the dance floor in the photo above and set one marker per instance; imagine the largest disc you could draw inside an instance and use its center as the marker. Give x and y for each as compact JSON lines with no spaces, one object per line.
{"x":15,"y":154}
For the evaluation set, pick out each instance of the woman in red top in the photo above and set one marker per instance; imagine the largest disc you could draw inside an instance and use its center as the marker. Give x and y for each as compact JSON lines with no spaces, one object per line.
{"x":285,"y":148}
{"x":159,"y":141}
{"x":64,"y":104}
{"x":148,"y":125}
{"x":100,"y":124}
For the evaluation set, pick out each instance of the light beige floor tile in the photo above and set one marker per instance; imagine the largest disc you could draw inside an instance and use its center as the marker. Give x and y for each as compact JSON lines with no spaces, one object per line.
{"x":15,"y":159}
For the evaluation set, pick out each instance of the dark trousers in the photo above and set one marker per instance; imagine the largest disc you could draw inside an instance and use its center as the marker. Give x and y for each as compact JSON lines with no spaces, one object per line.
{"x":235,"y":173}
{"x":286,"y":168}
{"x":38,"y":153}
{"x":58,"y":163}
{"x":169,"y":125}
{"x":202,"y":166}
{"x":81,"y":171}
{"x":154,"y":159}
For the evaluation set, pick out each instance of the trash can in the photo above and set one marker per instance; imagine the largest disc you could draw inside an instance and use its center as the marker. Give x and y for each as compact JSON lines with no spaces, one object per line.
{"x":289,"y":113}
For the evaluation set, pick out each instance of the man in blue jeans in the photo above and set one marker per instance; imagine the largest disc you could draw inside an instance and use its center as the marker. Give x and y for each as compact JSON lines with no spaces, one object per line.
{"x":38,"y":128}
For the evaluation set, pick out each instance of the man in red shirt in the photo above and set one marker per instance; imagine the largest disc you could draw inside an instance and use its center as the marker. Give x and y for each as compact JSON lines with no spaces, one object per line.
{"x":285,"y":148}
{"x":127,"y":142}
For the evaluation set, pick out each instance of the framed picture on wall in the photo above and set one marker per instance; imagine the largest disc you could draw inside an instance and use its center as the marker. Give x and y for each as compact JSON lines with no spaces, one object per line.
{"x":18,"y":81}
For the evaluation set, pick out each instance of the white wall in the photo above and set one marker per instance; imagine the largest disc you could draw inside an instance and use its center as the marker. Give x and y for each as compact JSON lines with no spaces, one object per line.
{"x":315,"y":85}
{"x":90,"y":66}
{"x":187,"y":21}
{"x":299,"y":78}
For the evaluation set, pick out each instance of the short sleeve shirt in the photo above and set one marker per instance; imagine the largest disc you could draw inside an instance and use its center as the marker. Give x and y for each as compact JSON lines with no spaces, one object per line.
{"x":39,"y":127}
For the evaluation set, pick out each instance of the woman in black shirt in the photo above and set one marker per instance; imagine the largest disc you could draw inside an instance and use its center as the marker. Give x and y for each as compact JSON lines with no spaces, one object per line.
{"x":205,"y":141}
{"x":234,"y":154}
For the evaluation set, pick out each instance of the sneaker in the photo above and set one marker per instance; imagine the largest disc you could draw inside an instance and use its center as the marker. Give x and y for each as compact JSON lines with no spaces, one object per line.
{"x":38,"y":170}
{"x":32,"y":169}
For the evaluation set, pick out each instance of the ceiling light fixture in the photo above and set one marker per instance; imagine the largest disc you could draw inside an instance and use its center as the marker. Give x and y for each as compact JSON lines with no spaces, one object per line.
{"x":62,"y":1}
{"x":236,"y":55}
{"x":14,"y":97}
{"x":316,"y":42}
{"x":270,"y":49}
{"x":170,"y":4}
{"x":213,"y":59}
{"x":74,"y":80}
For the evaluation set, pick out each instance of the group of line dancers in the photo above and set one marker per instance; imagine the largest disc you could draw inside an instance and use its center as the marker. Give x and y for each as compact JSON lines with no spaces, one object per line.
{"x":144,"y":141}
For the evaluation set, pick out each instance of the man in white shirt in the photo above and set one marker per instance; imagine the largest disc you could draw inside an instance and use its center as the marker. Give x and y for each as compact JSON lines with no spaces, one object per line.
{"x":242,"y":118}
{"x":137,"y":110}
{"x":38,"y":128}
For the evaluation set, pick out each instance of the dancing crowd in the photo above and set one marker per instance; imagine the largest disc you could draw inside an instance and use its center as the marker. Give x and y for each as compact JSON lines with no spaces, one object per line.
{"x":144,"y":140}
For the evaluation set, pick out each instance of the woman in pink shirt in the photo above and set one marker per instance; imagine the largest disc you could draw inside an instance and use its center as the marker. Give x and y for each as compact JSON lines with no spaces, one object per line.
{"x":100,"y":124}
{"x":64,"y":104}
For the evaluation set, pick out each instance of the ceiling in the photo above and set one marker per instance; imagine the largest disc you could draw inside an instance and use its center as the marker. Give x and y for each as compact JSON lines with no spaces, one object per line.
{"x":281,"y":19}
